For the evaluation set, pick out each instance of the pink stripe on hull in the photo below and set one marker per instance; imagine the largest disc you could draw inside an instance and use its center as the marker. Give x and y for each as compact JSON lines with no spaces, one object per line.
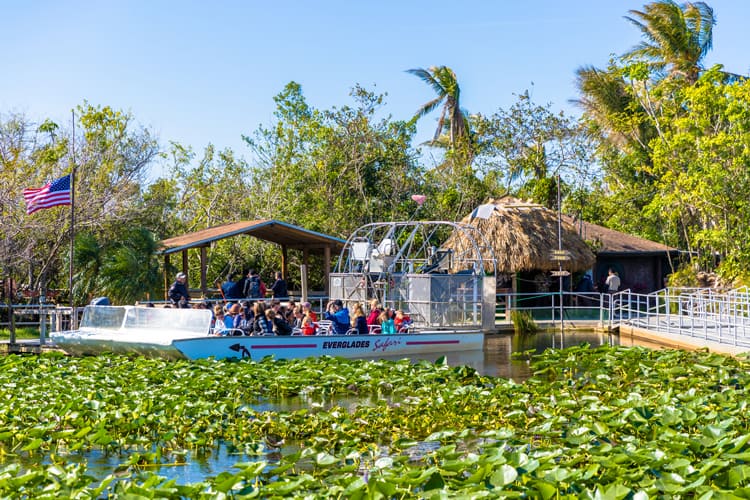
{"x":285,"y":346}
{"x":432,"y":342}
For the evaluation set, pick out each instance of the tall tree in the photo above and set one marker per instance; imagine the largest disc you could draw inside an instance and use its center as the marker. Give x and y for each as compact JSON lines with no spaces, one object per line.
{"x":453,"y":121}
{"x":523,"y":149}
{"x":113,"y":156}
{"x":334,"y":170}
{"x":676,"y":37}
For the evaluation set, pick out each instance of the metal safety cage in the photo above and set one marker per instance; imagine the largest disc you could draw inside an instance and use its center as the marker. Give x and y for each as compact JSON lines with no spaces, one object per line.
{"x":404,"y":266}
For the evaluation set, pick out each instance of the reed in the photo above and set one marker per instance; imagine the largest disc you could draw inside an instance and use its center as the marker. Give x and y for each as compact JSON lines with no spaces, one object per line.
{"x":523,"y":322}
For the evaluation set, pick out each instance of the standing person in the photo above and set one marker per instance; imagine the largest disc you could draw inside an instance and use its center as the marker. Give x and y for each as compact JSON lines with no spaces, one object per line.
{"x":279,"y":287}
{"x":613,"y":281}
{"x":339,"y":315}
{"x":237,"y":291}
{"x":253,"y":288}
{"x":178,"y":292}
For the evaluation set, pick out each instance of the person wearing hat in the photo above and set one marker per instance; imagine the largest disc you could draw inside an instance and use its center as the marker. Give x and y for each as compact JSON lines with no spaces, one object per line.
{"x":339,"y":315}
{"x":178,"y":292}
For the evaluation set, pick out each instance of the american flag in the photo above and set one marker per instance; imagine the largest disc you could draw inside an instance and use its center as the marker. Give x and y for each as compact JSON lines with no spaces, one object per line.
{"x":51,"y":195}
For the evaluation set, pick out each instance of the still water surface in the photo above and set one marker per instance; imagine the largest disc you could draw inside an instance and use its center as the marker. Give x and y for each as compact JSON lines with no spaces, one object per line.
{"x":496,"y":359}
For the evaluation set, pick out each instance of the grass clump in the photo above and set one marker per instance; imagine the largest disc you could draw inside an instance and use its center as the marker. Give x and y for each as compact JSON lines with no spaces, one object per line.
{"x":523,"y":322}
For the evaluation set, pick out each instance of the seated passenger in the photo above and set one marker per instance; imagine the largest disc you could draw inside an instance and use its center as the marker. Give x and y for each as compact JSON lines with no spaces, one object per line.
{"x":263,"y":324}
{"x":297,"y":316}
{"x":375,"y":310}
{"x":359,"y":321}
{"x":339,"y":315}
{"x":220,"y":327}
{"x":308,"y":323}
{"x":387,"y":326}
{"x":401,"y":321}
{"x":247,"y":318}
{"x":280,"y":325}
{"x":307,"y":308}
{"x":234,"y":319}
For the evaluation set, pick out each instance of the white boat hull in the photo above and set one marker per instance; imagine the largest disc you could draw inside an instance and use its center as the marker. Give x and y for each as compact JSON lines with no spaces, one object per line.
{"x":256,"y":348}
{"x":183,"y":333}
{"x":345,"y":346}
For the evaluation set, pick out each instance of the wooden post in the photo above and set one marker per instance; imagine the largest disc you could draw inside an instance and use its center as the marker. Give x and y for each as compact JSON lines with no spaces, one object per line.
{"x":303,"y":281}
{"x":204,"y":286}
{"x":327,"y":269}
{"x":185,"y":269}
{"x":284,"y":261}
{"x":185,"y":263}
{"x":166,"y":276}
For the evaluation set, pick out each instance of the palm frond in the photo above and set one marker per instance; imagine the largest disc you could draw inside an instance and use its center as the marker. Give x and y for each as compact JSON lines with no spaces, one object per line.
{"x":428,"y":77}
{"x":428,"y":107}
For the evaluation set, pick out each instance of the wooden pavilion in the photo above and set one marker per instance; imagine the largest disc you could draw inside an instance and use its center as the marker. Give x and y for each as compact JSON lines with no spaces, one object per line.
{"x":286,"y":235}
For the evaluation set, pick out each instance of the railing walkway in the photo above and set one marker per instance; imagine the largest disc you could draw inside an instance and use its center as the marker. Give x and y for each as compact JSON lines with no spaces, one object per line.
{"x":697,"y":314}
{"x":701,"y":316}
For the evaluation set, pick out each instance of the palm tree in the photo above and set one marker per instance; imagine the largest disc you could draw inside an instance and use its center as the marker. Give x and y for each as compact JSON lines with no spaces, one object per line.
{"x":677,"y":37}
{"x":443,"y":81}
{"x":615,"y":111}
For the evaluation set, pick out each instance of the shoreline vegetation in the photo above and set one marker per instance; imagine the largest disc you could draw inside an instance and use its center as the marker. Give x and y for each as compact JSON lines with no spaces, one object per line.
{"x":606,"y":422}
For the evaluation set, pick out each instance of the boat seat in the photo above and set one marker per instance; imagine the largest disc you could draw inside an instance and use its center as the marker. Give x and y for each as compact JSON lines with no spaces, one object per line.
{"x":228,"y":332}
{"x":324,"y":327}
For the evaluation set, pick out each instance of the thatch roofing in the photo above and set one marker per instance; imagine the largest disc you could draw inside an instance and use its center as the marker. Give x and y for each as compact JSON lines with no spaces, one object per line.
{"x":524,"y":237}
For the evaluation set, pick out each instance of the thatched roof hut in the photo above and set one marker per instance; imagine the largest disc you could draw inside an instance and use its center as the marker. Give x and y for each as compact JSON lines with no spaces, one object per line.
{"x":524,"y":237}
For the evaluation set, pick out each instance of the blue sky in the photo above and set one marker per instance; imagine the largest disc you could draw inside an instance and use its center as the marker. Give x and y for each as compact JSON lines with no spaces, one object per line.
{"x":197,"y":72}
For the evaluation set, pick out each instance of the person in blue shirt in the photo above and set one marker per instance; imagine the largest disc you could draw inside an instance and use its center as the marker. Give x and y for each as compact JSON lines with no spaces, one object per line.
{"x":339,"y":315}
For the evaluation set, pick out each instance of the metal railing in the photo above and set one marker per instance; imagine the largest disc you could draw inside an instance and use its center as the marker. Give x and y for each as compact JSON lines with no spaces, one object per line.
{"x":696,"y":313}
{"x":576,"y":306}
{"x":45,"y":317}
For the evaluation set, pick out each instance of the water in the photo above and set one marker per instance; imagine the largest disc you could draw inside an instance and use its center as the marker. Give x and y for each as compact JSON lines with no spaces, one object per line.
{"x":496,"y":359}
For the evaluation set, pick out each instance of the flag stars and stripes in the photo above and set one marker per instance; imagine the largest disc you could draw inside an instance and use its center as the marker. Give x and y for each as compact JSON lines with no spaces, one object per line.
{"x":51,"y":195}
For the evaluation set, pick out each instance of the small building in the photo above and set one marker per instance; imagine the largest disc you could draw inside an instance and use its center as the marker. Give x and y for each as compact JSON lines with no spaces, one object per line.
{"x":641,"y":264}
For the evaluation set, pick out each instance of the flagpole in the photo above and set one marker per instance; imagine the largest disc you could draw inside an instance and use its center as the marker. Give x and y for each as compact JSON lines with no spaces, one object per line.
{"x":73,"y":315}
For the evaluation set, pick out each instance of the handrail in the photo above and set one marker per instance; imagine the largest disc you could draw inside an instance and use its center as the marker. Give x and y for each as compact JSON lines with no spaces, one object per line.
{"x":697,"y":313}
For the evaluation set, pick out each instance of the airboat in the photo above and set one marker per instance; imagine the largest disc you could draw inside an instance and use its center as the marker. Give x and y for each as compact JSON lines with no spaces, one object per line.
{"x":448,"y":294}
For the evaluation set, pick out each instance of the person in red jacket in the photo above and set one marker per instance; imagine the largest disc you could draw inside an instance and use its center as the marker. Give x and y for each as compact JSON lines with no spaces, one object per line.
{"x":372,"y":317}
{"x":402,"y":321}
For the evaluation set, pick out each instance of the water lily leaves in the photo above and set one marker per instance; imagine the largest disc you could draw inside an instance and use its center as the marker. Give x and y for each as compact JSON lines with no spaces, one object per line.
{"x":609,"y":422}
{"x":505,"y":475}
